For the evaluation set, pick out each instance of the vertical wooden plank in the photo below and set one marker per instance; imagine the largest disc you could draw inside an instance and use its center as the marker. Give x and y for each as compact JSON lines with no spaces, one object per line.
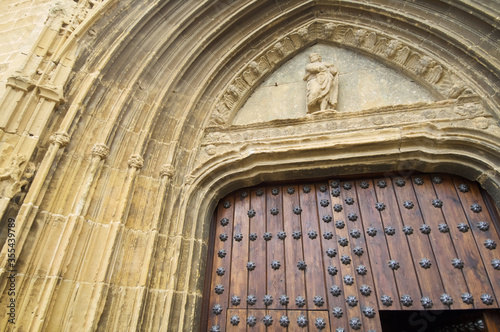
{"x":442,"y":245}
{"x":327,"y":224}
{"x":257,"y":249}
{"x":430,"y":280}
{"x":338,"y":210}
{"x":276,"y":315}
{"x":242,"y":316}
{"x":465,"y":245}
{"x":224,"y":263}
{"x":294,"y":316}
{"x":314,"y":315}
{"x":373,"y":256}
{"x":468,"y":199}
{"x":259,"y":316}
{"x":239,"y":259}
{"x":314,"y":273}
{"x":406,"y":277}
{"x":276,"y":279}
{"x":492,"y":320}
{"x":295,"y":285}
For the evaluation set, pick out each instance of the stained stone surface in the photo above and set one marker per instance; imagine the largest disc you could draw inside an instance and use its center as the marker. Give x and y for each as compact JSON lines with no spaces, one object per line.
{"x":364,"y":83}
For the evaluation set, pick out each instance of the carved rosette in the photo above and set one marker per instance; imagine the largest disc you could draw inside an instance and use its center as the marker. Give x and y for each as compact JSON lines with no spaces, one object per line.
{"x":100,"y":150}
{"x":60,"y":138}
{"x":135,"y":161}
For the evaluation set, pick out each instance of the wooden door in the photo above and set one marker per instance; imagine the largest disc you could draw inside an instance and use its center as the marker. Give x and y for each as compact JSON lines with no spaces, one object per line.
{"x":330,"y":255}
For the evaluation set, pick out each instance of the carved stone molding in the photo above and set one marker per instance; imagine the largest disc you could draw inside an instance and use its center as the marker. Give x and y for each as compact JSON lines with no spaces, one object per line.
{"x":135,"y":161}
{"x":410,"y":58}
{"x":61,"y":139}
{"x":167,"y":170}
{"x":100,"y":150}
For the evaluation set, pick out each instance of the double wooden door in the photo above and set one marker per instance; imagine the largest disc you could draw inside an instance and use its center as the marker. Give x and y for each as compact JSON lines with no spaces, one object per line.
{"x":331,"y":255}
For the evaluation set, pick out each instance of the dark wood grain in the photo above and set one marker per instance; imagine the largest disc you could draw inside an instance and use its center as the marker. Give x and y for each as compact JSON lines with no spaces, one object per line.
{"x":259,"y":314}
{"x":293,"y":315}
{"x":257,"y":250}
{"x":242,"y":326}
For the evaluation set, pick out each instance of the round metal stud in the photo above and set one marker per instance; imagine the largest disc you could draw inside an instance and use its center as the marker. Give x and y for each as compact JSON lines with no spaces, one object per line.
{"x":235,"y":320}
{"x":337,"y":208}
{"x":268,"y":300}
{"x":320,"y":323}
{"x":355,"y":323}
{"x":275,"y":265}
{"x":275,"y":211}
{"x":476,"y":208}
{"x":463,"y":227}
{"x":221,"y":271}
{"x":332,"y":270}
{"x":346,"y":260}
{"x":217,"y":309}
{"x":406,"y":300}
{"x":275,"y":191}
{"x":251,"y":299}
{"x":227,"y":205}
{"x":362,"y":270}
{"x":335,"y":184}
{"x":446,"y":299}
{"x":337,"y":312}
{"x":235,"y":300}
{"x":426,"y":302}
{"x":400,"y":182}
{"x":463,"y":188}
{"x":244,"y":194}
{"x":284,"y":300}
{"x":467,"y":298}
{"x":223,"y":237}
{"x":281,"y":235}
{"x":300,"y":301}
{"x":358,"y":251}
{"x":371,"y":231}
{"x":323,"y":188}
{"x":340,"y":224}
{"x":490,"y":244}
{"x":331,"y":252}
{"x":369,"y":312}
{"x":312,"y":234}
{"x":351,"y":300}
{"x":336,"y":192}
{"x":437,"y":203}
{"x":251,"y":213}
{"x":267,"y":236}
{"x":365,"y":290}
{"x":394,"y":264}
{"x":259,"y":192}
{"x":349,"y":201}
{"x":221,"y":253}
{"x":324,"y":202}
{"x":284,"y":321}
{"x":425,"y":229}
{"x":318,"y":301}
{"x":443,"y":228}
{"x":418,"y":181}
{"x":483,"y":226}
{"x":352,"y":216}
{"x":290,"y":191}
{"x":457,"y":263}
{"x":297,"y":210}
{"x":328,"y":235}
{"x":219,"y":289}
{"x":238,"y":237}
{"x":251,"y":321}
{"x":224,"y":222}
{"x":306,"y":189}
{"x":296,"y":235}
{"x":347,"y":186}
{"x":215,"y":328}
{"x":408,"y":204}
{"x":390,"y":230}
{"x":339,"y":329}
{"x":251,"y":266}
{"x":267,"y":320}
{"x":386,"y":300}
{"x":487,"y":299}
{"x":301,"y":265}
{"x":252,"y":236}
{"x":364,"y":185}
{"x":355,"y":233}
{"x":425,"y":263}
{"x":496,"y":264}
{"x":381,"y":184}
{"x":343,"y":241}
{"x":380,"y":206}
{"x":335,"y":290}
{"x":327,"y":218}
{"x":348,"y":280}
{"x":302,"y":321}
{"x":408,"y":230}
{"x":436,"y":179}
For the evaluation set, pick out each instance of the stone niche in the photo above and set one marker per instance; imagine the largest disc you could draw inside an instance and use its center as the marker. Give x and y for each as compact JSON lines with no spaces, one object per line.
{"x":364,"y":83}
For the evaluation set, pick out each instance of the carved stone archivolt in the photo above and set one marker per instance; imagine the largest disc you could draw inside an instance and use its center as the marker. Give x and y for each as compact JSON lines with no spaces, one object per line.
{"x":409,"y":58}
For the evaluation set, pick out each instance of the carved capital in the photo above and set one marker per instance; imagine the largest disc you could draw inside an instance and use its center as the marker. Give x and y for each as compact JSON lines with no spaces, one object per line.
{"x":135,"y":161}
{"x":61,"y":139}
{"x":167,"y":171}
{"x":100,"y":150}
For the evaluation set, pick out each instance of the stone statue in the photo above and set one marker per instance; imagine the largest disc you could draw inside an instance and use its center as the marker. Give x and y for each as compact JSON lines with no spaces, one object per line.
{"x":322,"y":85}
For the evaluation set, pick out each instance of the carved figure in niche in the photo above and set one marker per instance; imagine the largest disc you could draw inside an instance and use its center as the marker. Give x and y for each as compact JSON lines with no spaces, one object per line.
{"x":322,"y":85}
